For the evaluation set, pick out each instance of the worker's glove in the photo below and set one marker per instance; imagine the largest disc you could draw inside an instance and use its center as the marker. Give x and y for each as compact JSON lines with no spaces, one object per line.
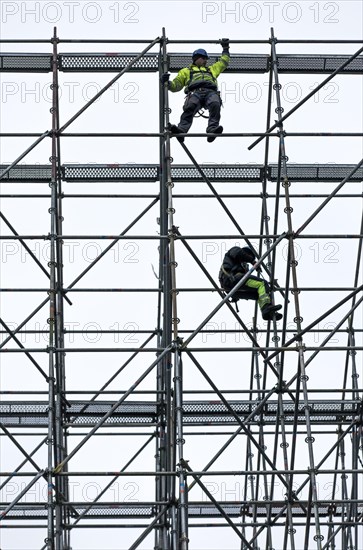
{"x":225,"y":45}
{"x":164,"y":78}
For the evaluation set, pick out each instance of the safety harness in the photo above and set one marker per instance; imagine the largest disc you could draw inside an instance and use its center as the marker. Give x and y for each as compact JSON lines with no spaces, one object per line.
{"x":205,"y":83}
{"x":235,"y":270}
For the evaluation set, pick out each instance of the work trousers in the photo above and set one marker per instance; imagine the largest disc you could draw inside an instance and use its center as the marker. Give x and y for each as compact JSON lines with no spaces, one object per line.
{"x":207,"y":99}
{"x":253,"y":289}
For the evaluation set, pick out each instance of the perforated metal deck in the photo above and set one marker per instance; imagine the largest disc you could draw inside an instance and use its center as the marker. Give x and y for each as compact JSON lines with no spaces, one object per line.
{"x":196,"y":413}
{"x":195,"y":510}
{"x":117,"y":61}
{"x":37,"y":173}
{"x":24,"y":63}
{"x":182,"y":173}
{"x":317,"y":172}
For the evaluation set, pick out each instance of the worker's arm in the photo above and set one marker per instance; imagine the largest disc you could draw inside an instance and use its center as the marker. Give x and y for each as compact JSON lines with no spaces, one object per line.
{"x":244,"y":256}
{"x":222,"y":63}
{"x":180,"y":81}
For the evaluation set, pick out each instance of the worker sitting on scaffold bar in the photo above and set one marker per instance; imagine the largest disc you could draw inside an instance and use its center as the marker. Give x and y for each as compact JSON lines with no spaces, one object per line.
{"x":201,"y":87}
{"x":233,"y":268}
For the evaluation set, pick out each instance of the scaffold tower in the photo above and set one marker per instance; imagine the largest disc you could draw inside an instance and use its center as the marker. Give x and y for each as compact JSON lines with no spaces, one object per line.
{"x":139,"y":407}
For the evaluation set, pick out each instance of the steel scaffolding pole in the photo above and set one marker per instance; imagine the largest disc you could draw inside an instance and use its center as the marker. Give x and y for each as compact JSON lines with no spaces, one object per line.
{"x":166,"y":432}
{"x":53,"y":541}
{"x":298,"y":319}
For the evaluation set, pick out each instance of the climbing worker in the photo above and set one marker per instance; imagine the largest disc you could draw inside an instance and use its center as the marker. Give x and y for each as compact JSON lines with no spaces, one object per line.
{"x":233,"y":268}
{"x":201,"y":87}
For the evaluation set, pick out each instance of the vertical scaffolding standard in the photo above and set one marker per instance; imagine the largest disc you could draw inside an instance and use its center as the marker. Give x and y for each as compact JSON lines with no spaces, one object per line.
{"x":225,"y":446}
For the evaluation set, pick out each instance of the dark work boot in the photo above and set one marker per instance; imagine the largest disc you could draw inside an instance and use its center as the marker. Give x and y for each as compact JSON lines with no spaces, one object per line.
{"x":217,"y":131}
{"x":176,"y":130}
{"x":269,"y":312}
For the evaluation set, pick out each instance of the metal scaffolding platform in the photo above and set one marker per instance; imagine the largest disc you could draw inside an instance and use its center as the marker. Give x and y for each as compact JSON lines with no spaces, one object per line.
{"x":199,"y":413}
{"x":238,"y":510}
{"x":214,"y":420}
{"x":182,"y":173}
{"x":114,"y":62}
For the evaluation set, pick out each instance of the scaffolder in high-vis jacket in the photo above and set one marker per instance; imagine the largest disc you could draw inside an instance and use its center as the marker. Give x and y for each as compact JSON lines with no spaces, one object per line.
{"x":200,"y":84}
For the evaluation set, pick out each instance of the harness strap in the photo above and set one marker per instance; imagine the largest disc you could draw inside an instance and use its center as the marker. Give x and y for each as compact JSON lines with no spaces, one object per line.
{"x":193,"y":73}
{"x":230,"y":274}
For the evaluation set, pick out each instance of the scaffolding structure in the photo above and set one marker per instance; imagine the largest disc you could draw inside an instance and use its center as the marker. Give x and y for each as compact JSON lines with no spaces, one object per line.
{"x":255,"y":442}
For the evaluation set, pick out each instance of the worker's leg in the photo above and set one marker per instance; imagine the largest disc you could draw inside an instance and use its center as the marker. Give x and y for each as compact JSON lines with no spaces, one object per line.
{"x":227,"y":283}
{"x":259,"y":290}
{"x":260,"y":285}
{"x":213,"y":104}
{"x":191,"y":107}
{"x":269,"y":311}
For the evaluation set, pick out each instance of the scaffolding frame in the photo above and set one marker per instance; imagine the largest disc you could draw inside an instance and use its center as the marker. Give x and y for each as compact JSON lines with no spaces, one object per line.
{"x":286,"y":410}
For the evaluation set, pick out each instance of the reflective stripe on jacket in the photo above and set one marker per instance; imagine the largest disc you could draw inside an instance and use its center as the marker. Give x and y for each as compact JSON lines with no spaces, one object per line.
{"x":200,"y":74}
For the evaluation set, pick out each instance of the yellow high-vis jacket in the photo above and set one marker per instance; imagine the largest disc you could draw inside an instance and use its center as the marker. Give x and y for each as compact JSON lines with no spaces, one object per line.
{"x":194,"y":77}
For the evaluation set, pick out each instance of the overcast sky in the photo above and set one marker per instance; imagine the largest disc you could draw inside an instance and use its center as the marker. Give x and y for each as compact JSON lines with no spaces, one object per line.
{"x":131,"y":105}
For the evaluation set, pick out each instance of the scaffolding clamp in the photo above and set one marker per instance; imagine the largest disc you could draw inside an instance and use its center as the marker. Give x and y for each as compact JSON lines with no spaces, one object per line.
{"x":245,"y":510}
{"x":184,"y":464}
{"x":173,"y":231}
{"x":281,"y":387}
{"x":291,"y":498}
{"x":177,"y":344}
{"x":58,"y":468}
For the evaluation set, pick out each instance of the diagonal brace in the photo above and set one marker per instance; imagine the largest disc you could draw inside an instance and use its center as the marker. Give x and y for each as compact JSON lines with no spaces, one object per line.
{"x":338,"y":70}
{"x":149,"y":528}
{"x":240,"y":283}
{"x":221,"y":202}
{"x":332,"y":194}
{"x":245,"y":328}
{"x":32,"y":146}
{"x":12,"y":335}
{"x":18,"y":468}
{"x":100,"y":423}
{"x":105,"y":88}
{"x":309,"y":327}
{"x":113,"y":243}
{"x":237,"y":418}
{"x":185,"y":465}
{"x":105,"y":489}
{"x":21,"y":494}
{"x":234,"y":435}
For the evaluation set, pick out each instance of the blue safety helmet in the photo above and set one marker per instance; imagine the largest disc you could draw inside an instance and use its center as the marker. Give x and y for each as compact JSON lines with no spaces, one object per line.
{"x":199,"y":53}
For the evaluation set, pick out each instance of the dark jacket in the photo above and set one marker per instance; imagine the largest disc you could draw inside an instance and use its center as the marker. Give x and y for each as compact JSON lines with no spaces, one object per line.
{"x":235,"y":261}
